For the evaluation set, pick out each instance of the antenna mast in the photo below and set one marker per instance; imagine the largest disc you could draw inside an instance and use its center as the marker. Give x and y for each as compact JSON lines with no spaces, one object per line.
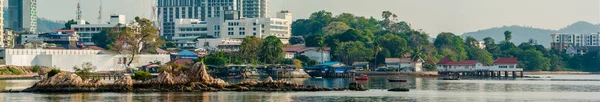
{"x":78,"y":12}
{"x":100,"y":13}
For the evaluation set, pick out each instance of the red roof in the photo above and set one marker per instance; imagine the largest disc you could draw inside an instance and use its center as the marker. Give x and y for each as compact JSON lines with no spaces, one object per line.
{"x":444,"y":60}
{"x":506,"y":61}
{"x":447,"y":61}
{"x":464,"y":62}
{"x":302,"y":48}
{"x":403,"y":60}
{"x":184,"y":61}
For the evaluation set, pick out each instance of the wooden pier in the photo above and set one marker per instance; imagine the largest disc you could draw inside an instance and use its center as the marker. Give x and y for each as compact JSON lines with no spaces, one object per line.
{"x":483,"y":73}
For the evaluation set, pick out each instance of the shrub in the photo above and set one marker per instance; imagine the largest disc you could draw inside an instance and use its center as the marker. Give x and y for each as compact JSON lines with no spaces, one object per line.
{"x":53,"y":72}
{"x":85,"y":72}
{"x":5,"y":72}
{"x":15,"y":71}
{"x":35,"y":69}
{"x":142,"y":75}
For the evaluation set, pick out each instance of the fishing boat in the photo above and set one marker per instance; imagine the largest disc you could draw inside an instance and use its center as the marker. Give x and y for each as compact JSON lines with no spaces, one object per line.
{"x":450,"y":78}
{"x":397,"y":80}
{"x":362,"y":77}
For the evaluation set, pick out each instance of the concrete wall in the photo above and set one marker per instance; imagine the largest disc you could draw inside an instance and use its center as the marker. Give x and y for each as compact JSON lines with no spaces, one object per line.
{"x":103,"y":62}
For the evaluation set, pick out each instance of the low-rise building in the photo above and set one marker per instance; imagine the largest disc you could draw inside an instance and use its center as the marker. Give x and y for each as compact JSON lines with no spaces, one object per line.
{"x":314,"y":53}
{"x":65,"y":60}
{"x":500,"y":64}
{"x":404,"y":64}
{"x":218,"y":44}
{"x":8,"y":39}
{"x":86,"y":31}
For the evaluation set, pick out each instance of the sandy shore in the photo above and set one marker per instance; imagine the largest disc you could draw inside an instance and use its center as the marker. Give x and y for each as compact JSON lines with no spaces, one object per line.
{"x":429,"y":73}
{"x":557,"y":72}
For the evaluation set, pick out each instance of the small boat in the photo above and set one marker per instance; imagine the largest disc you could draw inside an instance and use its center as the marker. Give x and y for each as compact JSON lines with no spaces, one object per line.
{"x":399,"y":90}
{"x":362,"y":77}
{"x":319,"y":77}
{"x":396,"y":80}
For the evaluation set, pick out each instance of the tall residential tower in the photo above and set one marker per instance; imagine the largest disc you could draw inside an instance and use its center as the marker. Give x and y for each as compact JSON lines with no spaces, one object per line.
{"x":23,"y":15}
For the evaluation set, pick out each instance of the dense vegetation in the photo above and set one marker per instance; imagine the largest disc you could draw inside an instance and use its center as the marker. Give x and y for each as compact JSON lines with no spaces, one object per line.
{"x":355,"y":38}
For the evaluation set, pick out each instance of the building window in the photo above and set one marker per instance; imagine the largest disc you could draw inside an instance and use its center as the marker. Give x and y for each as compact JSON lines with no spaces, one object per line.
{"x":229,"y":33}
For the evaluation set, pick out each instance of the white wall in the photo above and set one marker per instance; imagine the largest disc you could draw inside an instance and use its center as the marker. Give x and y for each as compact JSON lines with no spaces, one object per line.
{"x":104,"y":62}
{"x":316,"y":55}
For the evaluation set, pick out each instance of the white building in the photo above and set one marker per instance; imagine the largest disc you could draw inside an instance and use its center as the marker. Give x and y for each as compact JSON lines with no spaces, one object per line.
{"x":67,"y":59}
{"x":187,"y":30}
{"x":562,"y":41}
{"x":86,"y":31}
{"x":170,"y":10}
{"x":311,"y":52}
{"x":500,"y":64}
{"x":23,"y":15}
{"x":30,"y":38}
{"x":404,"y":64}
{"x":255,"y":8}
{"x":219,"y":44}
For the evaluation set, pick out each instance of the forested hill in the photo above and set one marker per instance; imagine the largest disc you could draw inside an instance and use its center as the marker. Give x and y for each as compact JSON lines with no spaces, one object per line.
{"x":523,"y":34}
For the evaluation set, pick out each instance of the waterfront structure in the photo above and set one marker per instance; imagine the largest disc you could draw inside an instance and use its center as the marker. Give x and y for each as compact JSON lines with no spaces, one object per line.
{"x":66,"y":59}
{"x":314,"y":53}
{"x":404,"y":64}
{"x":447,"y":67}
{"x":500,"y":64}
{"x":563,"y":41}
{"x":85,"y":31}
{"x":23,"y":15}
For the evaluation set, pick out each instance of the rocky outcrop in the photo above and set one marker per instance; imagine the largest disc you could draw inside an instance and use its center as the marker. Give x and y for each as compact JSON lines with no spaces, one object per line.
{"x":356,"y":87}
{"x":67,"y":80}
{"x":198,"y":73}
{"x":124,"y":81}
{"x":166,"y":78}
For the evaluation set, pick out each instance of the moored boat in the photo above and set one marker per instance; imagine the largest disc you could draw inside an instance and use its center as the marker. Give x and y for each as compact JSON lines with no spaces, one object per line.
{"x":397,"y":80}
{"x":362,"y":77}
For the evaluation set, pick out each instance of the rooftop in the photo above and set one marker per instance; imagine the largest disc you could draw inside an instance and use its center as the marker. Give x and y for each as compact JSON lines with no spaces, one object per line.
{"x":506,"y":61}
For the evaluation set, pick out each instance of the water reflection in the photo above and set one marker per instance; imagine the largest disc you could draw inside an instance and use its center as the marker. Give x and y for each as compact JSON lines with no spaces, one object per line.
{"x":422,"y":89}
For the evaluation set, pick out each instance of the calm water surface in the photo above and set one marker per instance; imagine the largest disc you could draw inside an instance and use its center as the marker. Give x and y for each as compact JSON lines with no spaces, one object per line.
{"x":560,"y":88}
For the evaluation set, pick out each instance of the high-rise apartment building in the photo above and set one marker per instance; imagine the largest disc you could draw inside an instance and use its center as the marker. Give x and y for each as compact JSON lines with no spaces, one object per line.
{"x":2,"y":37}
{"x":562,"y":41}
{"x":23,"y":15}
{"x":255,"y":8}
{"x":204,"y":10}
{"x":169,"y":10}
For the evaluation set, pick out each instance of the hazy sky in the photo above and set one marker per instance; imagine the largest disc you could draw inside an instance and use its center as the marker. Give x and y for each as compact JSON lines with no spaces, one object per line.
{"x":433,"y":16}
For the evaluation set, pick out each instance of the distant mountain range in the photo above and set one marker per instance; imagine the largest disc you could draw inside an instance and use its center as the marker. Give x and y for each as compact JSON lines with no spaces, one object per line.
{"x":43,"y":25}
{"x":523,"y":34}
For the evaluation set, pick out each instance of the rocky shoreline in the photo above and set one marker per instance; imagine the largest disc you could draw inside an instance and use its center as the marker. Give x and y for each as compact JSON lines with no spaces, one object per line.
{"x":194,"y":80}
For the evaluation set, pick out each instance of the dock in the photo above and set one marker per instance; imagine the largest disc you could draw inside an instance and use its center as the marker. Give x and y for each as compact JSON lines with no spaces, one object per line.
{"x":513,"y":72}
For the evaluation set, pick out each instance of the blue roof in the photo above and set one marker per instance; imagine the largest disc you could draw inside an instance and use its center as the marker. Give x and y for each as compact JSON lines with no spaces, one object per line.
{"x":329,"y":64}
{"x":187,"y":54}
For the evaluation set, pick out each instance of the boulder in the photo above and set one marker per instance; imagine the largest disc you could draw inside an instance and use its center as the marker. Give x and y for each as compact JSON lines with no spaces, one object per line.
{"x":198,"y":73}
{"x":124,"y":80}
{"x":67,"y":80}
{"x":356,"y":87}
{"x":166,"y":78}
{"x":399,"y":90}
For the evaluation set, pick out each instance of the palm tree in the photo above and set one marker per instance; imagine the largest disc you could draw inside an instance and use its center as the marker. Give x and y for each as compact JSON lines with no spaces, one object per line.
{"x":322,"y":48}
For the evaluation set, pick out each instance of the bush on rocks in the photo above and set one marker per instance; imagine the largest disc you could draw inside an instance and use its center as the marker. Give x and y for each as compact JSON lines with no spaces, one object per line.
{"x":142,"y":75}
{"x":15,"y":71}
{"x":53,"y":72}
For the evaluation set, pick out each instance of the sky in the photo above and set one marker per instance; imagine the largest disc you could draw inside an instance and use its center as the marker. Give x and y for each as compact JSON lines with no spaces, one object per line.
{"x":432,"y":16}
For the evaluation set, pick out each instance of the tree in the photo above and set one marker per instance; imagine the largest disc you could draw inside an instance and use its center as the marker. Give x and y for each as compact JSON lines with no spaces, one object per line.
{"x":250,"y":49}
{"x":354,"y":51}
{"x":170,"y":44}
{"x":219,"y":58}
{"x":272,"y":50}
{"x":471,"y":41}
{"x":297,"y":40}
{"x":297,"y":63}
{"x":507,"y":35}
{"x":396,"y":45}
{"x":85,"y":72}
{"x":106,"y":37}
{"x":532,"y":60}
{"x":68,"y":24}
{"x":140,"y":37}
{"x":336,"y":28}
